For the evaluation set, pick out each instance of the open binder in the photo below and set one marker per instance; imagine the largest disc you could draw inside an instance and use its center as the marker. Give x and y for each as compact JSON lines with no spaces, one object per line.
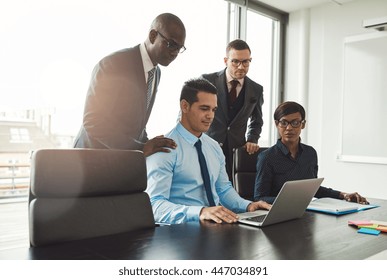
{"x":336,"y":206}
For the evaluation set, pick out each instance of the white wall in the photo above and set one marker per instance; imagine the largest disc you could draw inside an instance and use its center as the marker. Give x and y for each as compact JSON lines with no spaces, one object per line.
{"x":314,"y":71}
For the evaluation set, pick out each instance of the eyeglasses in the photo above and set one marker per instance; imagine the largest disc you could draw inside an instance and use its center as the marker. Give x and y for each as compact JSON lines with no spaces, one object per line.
{"x":236,"y":62}
{"x":172,"y":45}
{"x":293,"y":123}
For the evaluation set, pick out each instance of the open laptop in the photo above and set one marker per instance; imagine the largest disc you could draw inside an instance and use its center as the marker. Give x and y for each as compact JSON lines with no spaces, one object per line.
{"x":290,"y":203}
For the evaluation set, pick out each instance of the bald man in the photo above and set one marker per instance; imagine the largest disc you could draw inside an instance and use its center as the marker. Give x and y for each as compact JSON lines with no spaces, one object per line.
{"x":123,"y":88}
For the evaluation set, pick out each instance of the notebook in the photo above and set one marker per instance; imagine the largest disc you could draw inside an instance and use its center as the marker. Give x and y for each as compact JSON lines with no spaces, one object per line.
{"x":290,"y":203}
{"x":336,"y":206}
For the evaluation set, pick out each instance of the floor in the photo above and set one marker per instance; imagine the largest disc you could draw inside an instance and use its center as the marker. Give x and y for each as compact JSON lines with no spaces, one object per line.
{"x":13,"y":223}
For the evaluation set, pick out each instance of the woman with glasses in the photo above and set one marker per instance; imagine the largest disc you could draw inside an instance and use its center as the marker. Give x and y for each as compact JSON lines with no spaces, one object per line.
{"x":289,"y":159}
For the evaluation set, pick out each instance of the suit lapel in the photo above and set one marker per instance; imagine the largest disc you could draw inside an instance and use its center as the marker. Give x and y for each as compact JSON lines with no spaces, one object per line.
{"x":138,"y":69}
{"x":222,"y":92}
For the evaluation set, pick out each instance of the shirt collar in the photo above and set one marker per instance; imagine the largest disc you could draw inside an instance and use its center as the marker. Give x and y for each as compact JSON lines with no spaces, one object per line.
{"x":187,"y":136}
{"x":285,"y":150}
{"x":146,"y":61}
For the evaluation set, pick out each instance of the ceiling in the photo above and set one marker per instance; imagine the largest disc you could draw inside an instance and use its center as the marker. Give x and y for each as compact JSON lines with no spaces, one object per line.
{"x":294,"y":5}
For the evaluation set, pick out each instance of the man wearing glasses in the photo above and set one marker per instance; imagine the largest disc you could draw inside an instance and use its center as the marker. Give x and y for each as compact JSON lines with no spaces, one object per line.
{"x":290,"y":160}
{"x":240,"y":102}
{"x":123,"y":88}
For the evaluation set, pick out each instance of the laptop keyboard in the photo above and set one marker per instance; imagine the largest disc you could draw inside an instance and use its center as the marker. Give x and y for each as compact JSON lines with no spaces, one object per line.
{"x":257,"y":218}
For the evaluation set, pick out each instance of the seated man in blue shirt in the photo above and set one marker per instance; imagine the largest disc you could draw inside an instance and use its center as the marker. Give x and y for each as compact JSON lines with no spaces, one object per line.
{"x":175,"y":183}
{"x":289,"y":159}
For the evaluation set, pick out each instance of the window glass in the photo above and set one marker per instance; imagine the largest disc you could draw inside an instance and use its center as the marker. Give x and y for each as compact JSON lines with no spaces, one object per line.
{"x":48,"y":52}
{"x":259,"y":36}
{"x":19,"y":135}
{"x":50,"y":48}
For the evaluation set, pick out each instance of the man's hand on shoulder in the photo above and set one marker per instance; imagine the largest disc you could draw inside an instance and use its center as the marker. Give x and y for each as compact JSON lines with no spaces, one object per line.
{"x":159,"y":144}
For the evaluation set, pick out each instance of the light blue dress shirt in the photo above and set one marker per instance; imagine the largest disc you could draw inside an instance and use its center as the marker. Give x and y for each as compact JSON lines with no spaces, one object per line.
{"x":175,"y":184}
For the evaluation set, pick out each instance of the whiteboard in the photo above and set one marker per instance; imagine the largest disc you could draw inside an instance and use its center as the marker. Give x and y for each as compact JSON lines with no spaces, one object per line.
{"x":364,"y":99}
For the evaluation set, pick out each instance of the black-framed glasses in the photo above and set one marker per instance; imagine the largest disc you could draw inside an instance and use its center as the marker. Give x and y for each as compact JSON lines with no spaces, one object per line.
{"x":172,"y":45}
{"x":293,"y":123}
{"x":236,"y":62}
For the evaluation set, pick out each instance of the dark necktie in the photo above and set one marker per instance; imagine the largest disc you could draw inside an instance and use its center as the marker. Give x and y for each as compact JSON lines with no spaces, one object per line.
{"x":233,"y":91}
{"x":149,"y":85}
{"x":204,"y":171}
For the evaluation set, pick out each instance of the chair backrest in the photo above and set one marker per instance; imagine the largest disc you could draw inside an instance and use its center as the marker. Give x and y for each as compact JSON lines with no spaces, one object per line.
{"x":85,"y":193}
{"x":244,"y":171}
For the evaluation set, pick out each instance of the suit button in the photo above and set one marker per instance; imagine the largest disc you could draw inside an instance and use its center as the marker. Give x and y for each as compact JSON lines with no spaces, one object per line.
{"x":228,"y":128}
{"x":221,"y":144}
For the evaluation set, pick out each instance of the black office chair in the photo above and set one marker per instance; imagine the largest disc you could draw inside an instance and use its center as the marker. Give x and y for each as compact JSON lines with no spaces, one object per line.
{"x":244,"y":171}
{"x":85,"y":193}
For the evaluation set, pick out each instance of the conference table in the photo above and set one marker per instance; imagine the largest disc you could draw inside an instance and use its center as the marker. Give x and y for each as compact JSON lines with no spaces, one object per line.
{"x":315,"y":236}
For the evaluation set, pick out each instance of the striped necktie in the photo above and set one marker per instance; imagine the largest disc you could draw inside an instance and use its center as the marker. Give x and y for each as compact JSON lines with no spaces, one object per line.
{"x":149,"y":83}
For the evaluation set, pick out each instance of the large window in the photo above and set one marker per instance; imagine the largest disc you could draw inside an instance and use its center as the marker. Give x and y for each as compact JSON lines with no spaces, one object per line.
{"x":51,"y":47}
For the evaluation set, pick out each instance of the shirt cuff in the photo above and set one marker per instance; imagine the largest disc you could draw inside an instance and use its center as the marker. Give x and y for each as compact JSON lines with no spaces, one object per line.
{"x":245,"y":204}
{"x":193,"y":213}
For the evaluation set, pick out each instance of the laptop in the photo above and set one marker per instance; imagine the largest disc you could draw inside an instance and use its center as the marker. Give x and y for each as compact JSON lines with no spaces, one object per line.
{"x":290,"y":203}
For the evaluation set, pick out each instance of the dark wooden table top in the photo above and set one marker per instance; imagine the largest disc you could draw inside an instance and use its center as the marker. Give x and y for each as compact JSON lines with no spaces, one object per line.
{"x":315,"y":236}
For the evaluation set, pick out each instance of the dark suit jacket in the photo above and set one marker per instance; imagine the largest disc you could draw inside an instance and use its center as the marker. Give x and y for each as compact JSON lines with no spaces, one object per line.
{"x":115,"y":114}
{"x":234,"y":131}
